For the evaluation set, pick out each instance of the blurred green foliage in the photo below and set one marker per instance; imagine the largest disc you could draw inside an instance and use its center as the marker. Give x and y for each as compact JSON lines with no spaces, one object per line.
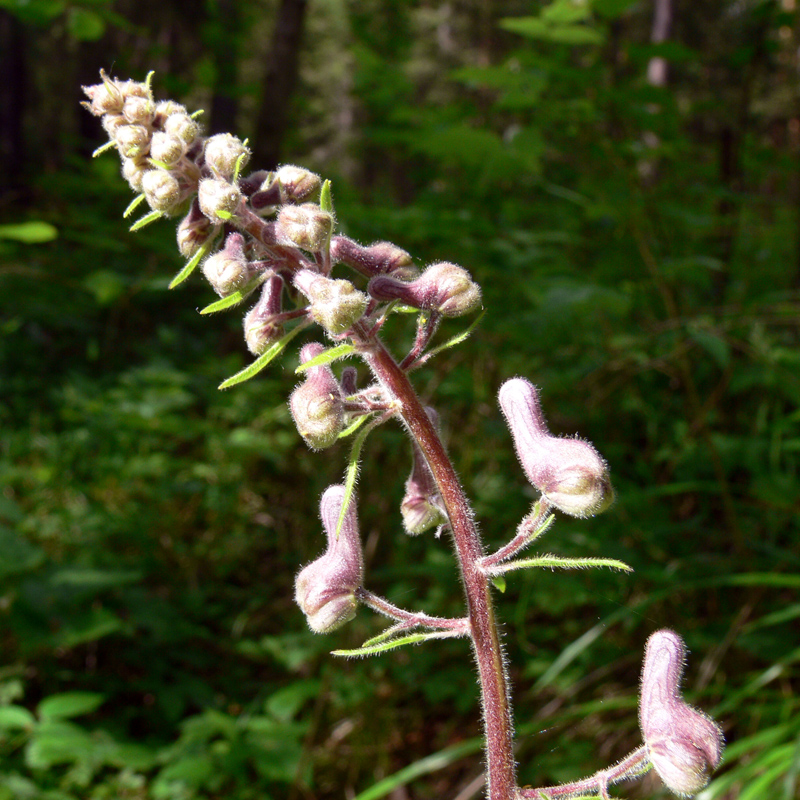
{"x":638,"y":250}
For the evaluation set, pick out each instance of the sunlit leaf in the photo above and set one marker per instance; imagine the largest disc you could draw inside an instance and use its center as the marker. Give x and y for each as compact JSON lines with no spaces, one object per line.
{"x":326,"y":357}
{"x":414,"y":638}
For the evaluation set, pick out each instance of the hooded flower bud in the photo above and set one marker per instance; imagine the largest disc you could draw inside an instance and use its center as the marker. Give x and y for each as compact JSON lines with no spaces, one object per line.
{"x":334,"y":303}
{"x":569,"y":473}
{"x":306,"y":226}
{"x":260,"y":328}
{"x":228,"y":270}
{"x":349,"y":381}
{"x":167,"y":148}
{"x":380,"y":258}
{"x":296,"y":183}
{"x":133,"y":170}
{"x":162,"y":190}
{"x":222,"y":151}
{"x":683,"y":744}
{"x":132,"y":140}
{"x":218,"y":199}
{"x":180,"y":124}
{"x":325,"y":589}
{"x":109,"y":96}
{"x":443,"y":287}
{"x":112,"y":123}
{"x":138,"y":110}
{"x":165,"y":109}
{"x":421,"y":504}
{"x":317,"y":404}
{"x":193,"y":231}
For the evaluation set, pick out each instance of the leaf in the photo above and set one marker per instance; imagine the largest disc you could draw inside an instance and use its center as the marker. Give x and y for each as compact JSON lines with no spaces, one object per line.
{"x":233,"y":299}
{"x":325,"y":198}
{"x":85,"y":25}
{"x":146,"y":220}
{"x":104,"y":148}
{"x":68,"y":705}
{"x":33,"y":232}
{"x":414,"y":638}
{"x":499,"y":583}
{"x":351,"y":429}
{"x":263,"y":360}
{"x":457,"y":339}
{"x":326,"y":357}
{"x":134,"y":204}
{"x":191,"y":264}
{"x":536,"y":28}
{"x":352,"y":471}
{"x":16,"y":718}
{"x":58,"y":743}
{"x":558,"y":562}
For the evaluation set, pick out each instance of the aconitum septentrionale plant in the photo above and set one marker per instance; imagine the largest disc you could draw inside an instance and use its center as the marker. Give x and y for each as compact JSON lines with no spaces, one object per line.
{"x":271,"y":235}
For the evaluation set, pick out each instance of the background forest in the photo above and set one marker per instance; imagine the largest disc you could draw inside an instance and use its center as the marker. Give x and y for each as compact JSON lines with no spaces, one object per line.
{"x":620,"y":176}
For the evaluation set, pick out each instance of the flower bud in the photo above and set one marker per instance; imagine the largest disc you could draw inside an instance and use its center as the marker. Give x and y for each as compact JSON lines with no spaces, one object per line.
{"x":443,"y":287}
{"x":260,"y":328}
{"x":133,"y":170}
{"x":296,"y":183}
{"x":325,"y":589}
{"x":306,"y":226}
{"x":228,"y":270}
{"x":132,"y":140}
{"x":317,"y":404}
{"x":349,"y":381}
{"x":193,"y":231}
{"x":166,"y":148}
{"x":421,"y":504}
{"x":222,"y":151}
{"x":138,"y":110}
{"x":109,"y":96}
{"x":683,"y":744}
{"x":569,"y":473}
{"x":112,"y":123}
{"x":218,"y":199}
{"x":162,"y":190}
{"x":380,"y":258}
{"x":180,"y":124}
{"x":165,"y":109}
{"x":334,"y":303}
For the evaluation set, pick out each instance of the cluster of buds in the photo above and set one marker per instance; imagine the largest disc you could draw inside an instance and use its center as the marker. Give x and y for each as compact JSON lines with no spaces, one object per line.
{"x":570,"y":473}
{"x":683,"y":744}
{"x":334,"y":303}
{"x":325,"y":590}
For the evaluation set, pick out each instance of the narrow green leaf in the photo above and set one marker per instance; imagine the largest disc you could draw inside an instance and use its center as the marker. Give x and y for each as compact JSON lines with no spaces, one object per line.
{"x":351,"y":429}
{"x":146,"y":220}
{"x":148,"y":81}
{"x":160,"y":164}
{"x":103,"y":148}
{"x":457,"y":339}
{"x":325,"y":198}
{"x":198,"y":113}
{"x":558,"y":562}
{"x":16,"y":718}
{"x":326,"y":356}
{"x":69,"y":704}
{"x":134,"y":204}
{"x":191,"y":264}
{"x":499,"y":583}
{"x":265,"y":358}
{"x":234,"y":298}
{"x":33,"y":232}
{"x":239,"y":162}
{"x":352,"y":473}
{"x":543,"y":528}
{"x":222,"y":214}
{"x":414,"y":638}
{"x":382,"y":637}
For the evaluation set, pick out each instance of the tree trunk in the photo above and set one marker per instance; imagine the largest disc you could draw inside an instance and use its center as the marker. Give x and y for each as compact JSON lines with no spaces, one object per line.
{"x":12,"y":103}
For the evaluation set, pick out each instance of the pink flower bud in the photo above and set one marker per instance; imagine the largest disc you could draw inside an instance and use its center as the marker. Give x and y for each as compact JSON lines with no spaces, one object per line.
{"x":296,"y":183}
{"x":180,"y":124}
{"x":421,"y":504}
{"x":683,"y":744}
{"x":161,"y":189}
{"x":133,"y":170}
{"x":317,"y":404}
{"x":306,"y":226}
{"x":138,"y":110}
{"x":132,"y":140}
{"x":325,"y":589}
{"x":167,"y":148}
{"x":218,"y":199}
{"x":222,"y":151}
{"x":260,"y":328}
{"x":109,"y":96}
{"x":193,"y":231}
{"x":165,"y":109}
{"x":569,"y":473}
{"x":334,"y":303}
{"x":443,"y":287}
{"x":380,"y":258}
{"x":228,"y":270}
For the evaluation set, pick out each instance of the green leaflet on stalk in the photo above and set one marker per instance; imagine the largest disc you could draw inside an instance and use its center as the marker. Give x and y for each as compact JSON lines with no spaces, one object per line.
{"x":457,"y":339}
{"x":326,"y":356}
{"x":239,"y":161}
{"x":103,"y":148}
{"x":382,"y":637}
{"x":161,"y":164}
{"x":191,"y":264}
{"x":414,"y":638}
{"x":146,"y":220}
{"x":222,"y":214}
{"x":234,"y":298}
{"x":325,"y":198}
{"x":134,"y":204}
{"x":352,"y":472}
{"x":268,"y":355}
{"x":543,"y":528}
{"x":499,"y":583}
{"x":351,"y":429}
{"x":558,"y":562}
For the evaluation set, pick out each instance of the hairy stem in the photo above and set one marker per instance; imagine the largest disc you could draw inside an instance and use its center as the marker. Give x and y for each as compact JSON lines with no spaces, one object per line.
{"x":500,"y":765}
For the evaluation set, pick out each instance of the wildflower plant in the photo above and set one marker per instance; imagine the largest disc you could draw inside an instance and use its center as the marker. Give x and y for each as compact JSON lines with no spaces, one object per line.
{"x":270,"y":237}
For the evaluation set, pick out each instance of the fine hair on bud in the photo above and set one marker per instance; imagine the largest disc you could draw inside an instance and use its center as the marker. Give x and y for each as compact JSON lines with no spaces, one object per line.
{"x":570,"y":473}
{"x":222,"y":152}
{"x":228,"y":269}
{"x":260,"y":326}
{"x":296,"y":183}
{"x":334,"y":303}
{"x":380,"y":258}
{"x":325,"y":590}
{"x":421,"y":505}
{"x":305,"y":226}
{"x":218,"y":199}
{"x":683,"y":744}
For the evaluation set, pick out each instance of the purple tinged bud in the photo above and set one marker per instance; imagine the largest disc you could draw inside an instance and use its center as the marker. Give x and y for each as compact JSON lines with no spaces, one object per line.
{"x":683,"y":744}
{"x":305,"y":226}
{"x":109,"y":96}
{"x":260,"y":328}
{"x":317,"y":404}
{"x":296,"y":183}
{"x":161,"y":189}
{"x":444,"y":287}
{"x":380,"y":258}
{"x":166,"y":148}
{"x":112,"y":123}
{"x":132,"y":140}
{"x":348,"y":382}
{"x":222,"y":151}
{"x":218,"y":199}
{"x":138,"y":110}
{"x":325,"y":589}
{"x":334,"y":303}
{"x":165,"y":109}
{"x":180,"y":124}
{"x":421,"y":504}
{"x":133,"y":170}
{"x":570,"y":473}
{"x":193,"y":231}
{"x":228,"y":270}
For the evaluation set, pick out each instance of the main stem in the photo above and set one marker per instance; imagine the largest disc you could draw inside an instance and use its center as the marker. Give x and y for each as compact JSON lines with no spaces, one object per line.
{"x":500,"y":767}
